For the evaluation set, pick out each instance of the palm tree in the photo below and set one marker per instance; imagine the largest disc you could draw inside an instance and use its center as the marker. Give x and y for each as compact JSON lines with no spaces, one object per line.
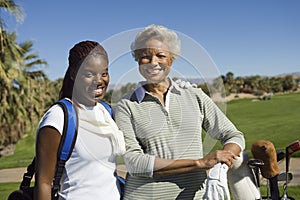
{"x":239,"y":82}
{"x":229,"y":81}
{"x":264,"y":84}
{"x":23,"y":93}
{"x":10,"y":59}
{"x":276,"y":84}
{"x":9,"y":71}
{"x":15,"y":9}
{"x":31,"y":81}
{"x":8,"y":49}
{"x":289,"y":83}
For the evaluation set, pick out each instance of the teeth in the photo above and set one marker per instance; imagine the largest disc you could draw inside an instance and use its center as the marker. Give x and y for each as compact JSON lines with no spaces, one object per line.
{"x":157,"y":67}
{"x":154,"y":70}
{"x":98,"y":91}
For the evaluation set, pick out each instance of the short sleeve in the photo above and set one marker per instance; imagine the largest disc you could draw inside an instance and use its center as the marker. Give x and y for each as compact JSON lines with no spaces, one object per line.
{"x":54,"y":117}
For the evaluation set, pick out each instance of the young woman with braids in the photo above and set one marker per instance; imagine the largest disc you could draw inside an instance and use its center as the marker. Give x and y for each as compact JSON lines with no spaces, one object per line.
{"x":90,"y":171}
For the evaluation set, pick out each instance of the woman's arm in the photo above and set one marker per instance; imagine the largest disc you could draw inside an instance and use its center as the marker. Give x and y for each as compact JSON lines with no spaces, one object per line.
{"x":164,"y":167}
{"x":139,"y":163}
{"x":232,"y":147}
{"x":48,"y":140}
{"x":216,"y":123}
{"x":219,"y":127}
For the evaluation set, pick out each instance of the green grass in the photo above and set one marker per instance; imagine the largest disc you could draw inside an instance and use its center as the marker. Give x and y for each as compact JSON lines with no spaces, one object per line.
{"x":7,"y":188}
{"x":23,"y":153}
{"x":293,"y":191}
{"x":276,"y":120}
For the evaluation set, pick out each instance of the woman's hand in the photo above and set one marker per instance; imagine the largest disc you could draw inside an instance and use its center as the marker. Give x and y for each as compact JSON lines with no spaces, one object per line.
{"x":218,"y":156}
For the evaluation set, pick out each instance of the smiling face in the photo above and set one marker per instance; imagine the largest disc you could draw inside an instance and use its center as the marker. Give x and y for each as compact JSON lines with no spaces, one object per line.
{"x":155,"y":61}
{"x":92,"y":80}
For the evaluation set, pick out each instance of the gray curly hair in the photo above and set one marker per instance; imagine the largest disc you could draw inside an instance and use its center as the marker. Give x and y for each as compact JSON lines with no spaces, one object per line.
{"x":158,"y":32}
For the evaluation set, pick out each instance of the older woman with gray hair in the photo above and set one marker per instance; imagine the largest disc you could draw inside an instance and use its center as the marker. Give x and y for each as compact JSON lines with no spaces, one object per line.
{"x":162,"y":125}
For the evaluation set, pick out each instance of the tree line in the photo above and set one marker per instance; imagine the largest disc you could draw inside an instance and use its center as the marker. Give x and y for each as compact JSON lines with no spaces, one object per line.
{"x":26,"y":91}
{"x":258,"y":85}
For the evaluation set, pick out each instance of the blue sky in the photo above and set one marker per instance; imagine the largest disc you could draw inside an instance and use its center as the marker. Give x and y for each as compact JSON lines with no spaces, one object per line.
{"x":257,"y":37}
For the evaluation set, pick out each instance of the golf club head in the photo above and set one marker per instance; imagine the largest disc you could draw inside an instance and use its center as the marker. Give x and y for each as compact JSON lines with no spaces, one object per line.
{"x":282,"y":176}
{"x":280,"y":156}
{"x":292,"y":148}
{"x":254,"y":163}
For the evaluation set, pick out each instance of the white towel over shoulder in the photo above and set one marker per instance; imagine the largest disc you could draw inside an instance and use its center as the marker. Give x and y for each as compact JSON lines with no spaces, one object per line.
{"x":107,"y":128}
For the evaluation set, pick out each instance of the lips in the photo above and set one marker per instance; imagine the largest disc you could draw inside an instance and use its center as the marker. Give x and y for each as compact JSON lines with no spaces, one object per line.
{"x":98,"y":91}
{"x":155,"y":70}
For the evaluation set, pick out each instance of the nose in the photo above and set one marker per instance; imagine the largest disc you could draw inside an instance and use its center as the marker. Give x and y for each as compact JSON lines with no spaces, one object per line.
{"x":98,"y":78}
{"x":154,"y":60}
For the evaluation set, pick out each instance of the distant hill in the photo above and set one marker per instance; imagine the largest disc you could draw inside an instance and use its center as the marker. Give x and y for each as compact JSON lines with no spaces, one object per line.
{"x":202,"y":81}
{"x":294,"y":74}
{"x":196,"y":80}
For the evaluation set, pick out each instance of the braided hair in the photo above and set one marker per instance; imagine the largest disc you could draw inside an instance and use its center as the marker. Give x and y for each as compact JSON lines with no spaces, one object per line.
{"x":77,"y":54}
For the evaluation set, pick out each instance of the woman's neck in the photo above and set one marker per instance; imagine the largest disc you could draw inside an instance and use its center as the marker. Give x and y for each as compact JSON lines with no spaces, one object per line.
{"x":86,"y":104}
{"x":158,"y":90}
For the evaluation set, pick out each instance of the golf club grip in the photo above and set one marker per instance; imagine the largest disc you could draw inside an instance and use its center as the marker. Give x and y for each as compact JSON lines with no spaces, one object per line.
{"x":293,"y":147}
{"x":287,"y":159}
{"x":289,"y":150}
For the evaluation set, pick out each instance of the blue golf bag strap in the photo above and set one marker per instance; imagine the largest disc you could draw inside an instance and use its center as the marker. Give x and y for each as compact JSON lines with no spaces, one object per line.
{"x":70,"y":130}
{"x":107,"y":107}
{"x":67,"y":142}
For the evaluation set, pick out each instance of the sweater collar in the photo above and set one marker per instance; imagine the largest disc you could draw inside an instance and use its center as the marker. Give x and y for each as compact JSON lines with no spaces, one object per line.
{"x":140,"y":92}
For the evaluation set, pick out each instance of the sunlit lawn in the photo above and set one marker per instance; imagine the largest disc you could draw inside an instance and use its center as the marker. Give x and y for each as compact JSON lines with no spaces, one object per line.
{"x":6,"y":188}
{"x":276,"y":120}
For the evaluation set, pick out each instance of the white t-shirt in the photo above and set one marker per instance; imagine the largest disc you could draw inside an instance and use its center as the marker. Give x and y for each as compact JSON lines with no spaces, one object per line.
{"x":90,"y":171}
